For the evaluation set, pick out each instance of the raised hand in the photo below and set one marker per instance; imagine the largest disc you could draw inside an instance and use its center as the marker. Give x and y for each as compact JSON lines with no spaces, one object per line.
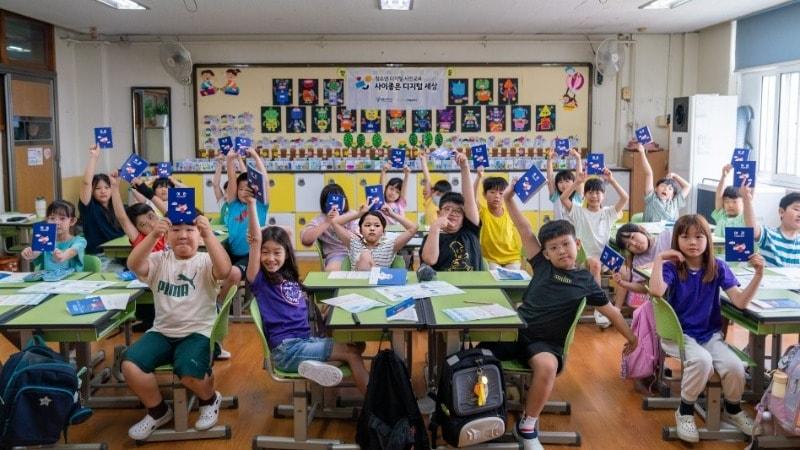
{"x":726,"y":169}
{"x":94,"y":152}
{"x":203,"y":226}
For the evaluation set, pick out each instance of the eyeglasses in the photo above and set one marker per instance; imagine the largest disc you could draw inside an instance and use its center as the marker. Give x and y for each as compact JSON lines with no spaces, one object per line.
{"x":453,"y":210}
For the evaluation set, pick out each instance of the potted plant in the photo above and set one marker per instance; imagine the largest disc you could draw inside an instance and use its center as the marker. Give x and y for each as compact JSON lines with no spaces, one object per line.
{"x":161,"y":112}
{"x":150,"y":112}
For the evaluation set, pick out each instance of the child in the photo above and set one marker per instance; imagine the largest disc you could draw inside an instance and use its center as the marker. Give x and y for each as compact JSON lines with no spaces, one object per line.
{"x":500,"y":242}
{"x":155,"y":197}
{"x":283,"y":303}
{"x":97,"y":215}
{"x":727,"y":205}
{"x":372,"y":248}
{"x":691,"y":278}
{"x":561,"y":182}
{"x":779,"y":246}
{"x":644,"y":248}
{"x":184,"y":285}
{"x":453,"y":240}
{"x":138,"y":220}
{"x":549,"y":308}
{"x":394,"y":194}
{"x":431,"y":195}
{"x":321,"y":229}
{"x":69,"y":248}
{"x":661,"y":202}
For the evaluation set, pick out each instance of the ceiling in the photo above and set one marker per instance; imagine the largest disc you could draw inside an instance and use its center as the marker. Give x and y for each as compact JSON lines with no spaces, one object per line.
{"x":352,"y":17}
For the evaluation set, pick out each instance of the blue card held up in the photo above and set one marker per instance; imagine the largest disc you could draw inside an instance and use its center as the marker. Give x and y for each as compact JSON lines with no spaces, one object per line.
{"x":740,"y":154}
{"x":739,"y":243}
{"x":529,"y":183}
{"x":255,"y":179}
{"x":103,"y":137}
{"x":611,"y":259}
{"x":398,"y":158}
{"x":334,"y":201}
{"x":643,"y":135}
{"x":480,"y":156}
{"x":44,"y":237}
{"x":374,"y":193}
{"x":225,"y":144}
{"x":242,"y":144}
{"x":595,"y":163}
{"x":562,"y":147}
{"x":164,"y":170}
{"x":132,"y":168}
{"x":744,"y":171}
{"x":181,"y":206}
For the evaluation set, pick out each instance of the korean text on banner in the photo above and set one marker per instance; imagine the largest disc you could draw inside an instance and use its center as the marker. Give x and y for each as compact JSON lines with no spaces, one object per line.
{"x":410,"y":88}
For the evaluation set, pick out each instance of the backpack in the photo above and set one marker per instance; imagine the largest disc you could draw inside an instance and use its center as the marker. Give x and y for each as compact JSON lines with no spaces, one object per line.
{"x":40,"y":397}
{"x":784,"y":411}
{"x":390,"y":418}
{"x":643,"y":361}
{"x":462,"y":420}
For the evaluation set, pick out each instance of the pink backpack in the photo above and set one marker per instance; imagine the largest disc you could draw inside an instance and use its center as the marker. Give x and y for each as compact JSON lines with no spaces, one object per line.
{"x":783,"y":412}
{"x":643,"y":362}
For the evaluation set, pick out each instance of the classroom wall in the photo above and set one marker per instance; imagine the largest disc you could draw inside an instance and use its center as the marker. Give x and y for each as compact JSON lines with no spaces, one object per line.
{"x":715,"y":50}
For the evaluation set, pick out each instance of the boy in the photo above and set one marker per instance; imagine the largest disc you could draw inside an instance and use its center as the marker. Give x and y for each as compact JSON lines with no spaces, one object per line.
{"x":184,"y":285}
{"x":548,"y":308}
{"x":727,"y":205}
{"x":593,"y":223}
{"x":500,"y":241}
{"x":779,"y":246}
{"x":452,"y":242}
{"x":431,"y":195}
{"x":661,"y":201}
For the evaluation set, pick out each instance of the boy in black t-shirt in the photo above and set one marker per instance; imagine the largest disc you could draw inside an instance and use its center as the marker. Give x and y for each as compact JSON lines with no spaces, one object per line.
{"x":548,"y":308}
{"x":453,"y":242}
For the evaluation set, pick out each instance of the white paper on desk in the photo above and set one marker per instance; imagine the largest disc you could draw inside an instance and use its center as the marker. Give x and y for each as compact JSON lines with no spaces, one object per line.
{"x":344,"y":275}
{"x":115,"y":301}
{"x":790,"y":272}
{"x":136,"y":284}
{"x":420,"y":290}
{"x":14,"y":277}
{"x":353,"y":303}
{"x":21,"y":299}
{"x":409,"y":314}
{"x":770,"y":281}
{"x":482,"y":312}
{"x":67,"y":287}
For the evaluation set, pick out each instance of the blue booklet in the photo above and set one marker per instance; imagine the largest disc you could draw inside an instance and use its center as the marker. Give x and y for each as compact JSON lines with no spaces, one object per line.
{"x":611,"y":259}
{"x":480,"y":156}
{"x":740,"y":154}
{"x":744,"y":170}
{"x":241,"y":144}
{"x":595,"y":163}
{"x":180,"y":205}
{"x":374,"y":192}
{"x":256,"y":179}
{"x":225,"y":144}
{"x":529,"y":183}
{"x":505,"y":274}
{"x":643,"y":135}
{"x":164,"y":170}
{"x":562,"y":147}
{"x":334,"y":200}
{"x":132,"y":168}
{"x":44,"y":237}
{"x":398,"y":158}
{"x":402,"y":306}
{"x":739,"y":243}
{"x":385,"y":276}
{"x":103,"y":137}
{"x":86,"y":305}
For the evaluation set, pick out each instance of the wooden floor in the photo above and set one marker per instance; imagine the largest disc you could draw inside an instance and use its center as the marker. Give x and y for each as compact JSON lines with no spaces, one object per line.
{"x":605,"y":409}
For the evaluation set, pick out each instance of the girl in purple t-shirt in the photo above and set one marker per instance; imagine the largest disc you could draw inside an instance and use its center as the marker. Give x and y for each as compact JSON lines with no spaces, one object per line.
{"x":283,"y":304}
{"x":690,"y":278}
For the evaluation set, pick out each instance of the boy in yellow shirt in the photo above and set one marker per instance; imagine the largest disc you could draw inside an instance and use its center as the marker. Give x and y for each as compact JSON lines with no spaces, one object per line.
{"x":500,"y":241}
{"x":431,"y":194}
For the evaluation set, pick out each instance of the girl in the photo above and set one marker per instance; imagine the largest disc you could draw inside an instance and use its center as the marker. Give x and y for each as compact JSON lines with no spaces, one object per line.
{"x":138,"y":220}
{"x":563,"y":180}
{"x":691,"y":278}
{"x":394,"y":192}
{"x":644,"y":248}
{"x":97,"y":215}
{"x":69,"y":248}
{"x":283,"y":303}
{"x":373,"y":248}
{"x":320,"y":229}
{"x":661,"y":200}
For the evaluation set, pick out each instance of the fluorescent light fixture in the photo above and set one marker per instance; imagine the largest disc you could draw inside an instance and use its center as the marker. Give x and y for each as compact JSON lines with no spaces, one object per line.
{"x":123,"y":4}
{"x":663,"y":4}
{"x":14,"y":48}
{"x":396,"y":5}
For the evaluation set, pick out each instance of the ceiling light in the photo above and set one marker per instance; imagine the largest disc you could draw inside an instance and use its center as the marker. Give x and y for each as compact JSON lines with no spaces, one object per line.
{"x":123,"y":4}
{"x":663,"y":4}
{"x":396,"y":5}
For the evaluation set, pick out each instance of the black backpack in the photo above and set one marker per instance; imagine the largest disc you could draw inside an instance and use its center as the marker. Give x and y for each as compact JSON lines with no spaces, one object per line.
{"x":40,"y":397}
{"x":462,"y":420}
{"x":390,"y":418}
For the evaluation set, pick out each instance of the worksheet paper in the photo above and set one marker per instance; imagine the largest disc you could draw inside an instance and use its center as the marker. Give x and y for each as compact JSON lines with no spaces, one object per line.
{"x":420,"y":290}
{"x":483,"y":312}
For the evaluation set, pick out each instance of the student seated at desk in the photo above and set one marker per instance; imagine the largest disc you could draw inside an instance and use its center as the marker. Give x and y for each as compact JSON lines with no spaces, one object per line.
{"x":728,"y":205}
{"x":691,"y":278}
{"x":500,"y":242}
{"x":780,"y":246}
{"x":372,"y":247}
{"x":320,"y":229}
{"x":155,"y":197}
{"x":184,"y":285}
{"x":283,"y":304}
{"x":138,"y":220}
{"x":69,"y":248}
{"x":431,"y":195}
{"x":97,"y":215}
{"x":644,"y":248}
{"x":549,"y":307}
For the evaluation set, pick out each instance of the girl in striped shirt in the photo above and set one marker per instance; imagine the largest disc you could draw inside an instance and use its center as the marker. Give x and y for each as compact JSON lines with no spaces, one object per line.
{"x":373,"y":247}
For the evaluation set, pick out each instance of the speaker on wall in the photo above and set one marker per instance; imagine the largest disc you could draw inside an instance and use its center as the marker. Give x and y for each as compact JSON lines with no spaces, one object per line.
{"x":680,"y":114}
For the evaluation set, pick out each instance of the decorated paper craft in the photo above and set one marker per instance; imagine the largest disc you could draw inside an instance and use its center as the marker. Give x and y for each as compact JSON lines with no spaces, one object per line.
{"x":270,"y":119}
{"x":545,"y":117}
{"x":296,"y":119}
{"x":595,"y":164}
{"x":385,"y":276}
{"x":470,"y":119}
{"x":321,"y":119}
{"x":374,"y":193}
{"x":575,"y":82}
{"x":507,"y":91}
{"x":398,"y":158}
{"x":457,"y":91}
{"x":739,"y":243}
{"x":643,"y":135}
{"x":482,"y":91}
{"x":744,"y":171}
{"x":421,"y":121}
{"x":103,"y":137}
{"x":345,"y":120}
{"x":282,"y":91}
{"x":334,"y":91}
{"x":396,"y":121}
{"x":446,"y":120}
{"x":132,"y":168}
{"x":529,"y":183}
{"x":309,"y":91}
{"x":181,"y":206}
{"x":480,"y":156}
{"x":164,"y":170}
{"x":370,"y":120}
{"x":44,"y":237}
{"x":521,"y":118}
{"x":495,"y":119}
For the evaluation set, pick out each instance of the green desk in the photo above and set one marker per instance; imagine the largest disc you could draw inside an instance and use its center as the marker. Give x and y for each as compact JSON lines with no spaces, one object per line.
{"x":120,"y":247}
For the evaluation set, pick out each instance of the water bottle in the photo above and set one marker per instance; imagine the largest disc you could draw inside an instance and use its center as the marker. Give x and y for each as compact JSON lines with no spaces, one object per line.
{"x":41,"y":207}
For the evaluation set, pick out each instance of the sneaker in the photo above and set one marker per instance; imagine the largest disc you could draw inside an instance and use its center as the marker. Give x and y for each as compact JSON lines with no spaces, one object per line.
{"x":529,"y":439}
{"x":320,"y":373}
{"x":687,"y":430}
{"x":145,"y":427}
{"x":209,"y":414}
{"x":223,"y":354}
{"x":601,"y":320}
{"x":741,"y":420}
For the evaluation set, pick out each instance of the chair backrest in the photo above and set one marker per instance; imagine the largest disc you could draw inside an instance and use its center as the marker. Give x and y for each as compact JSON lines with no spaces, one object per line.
{"x":92,"y":263}
{"x":318,"y":248}
{"x":572,"y":328}
{"x":223,"y":211}
{"x":255,"y":313}
{"x":668,"y":326}
{"x":637,"y":218}
{"x":220,"y":328}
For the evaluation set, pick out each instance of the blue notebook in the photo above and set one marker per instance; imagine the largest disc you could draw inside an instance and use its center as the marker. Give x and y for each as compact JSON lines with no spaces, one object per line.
{"x":611,"y":259}
{"x":255,"y":179}
{"x":44,"y":237}
{"x":402,"y":306}
{"x":241,"y":144}
{"x":504,"y":274}
{"x":744,"y":170}
{"x":86,"y":305}
{"x":529,"y":183}
{"x":480,"y":156}
{"x":180,"y":205}
{"x":739,"y":243}
{"x":740,"y":154}
{"x":334,"y":200}
{"x":225,"y":144}
{"x":595,"y":163}
{"x":103,"y":137}
{"x":374,"y":192}
{"x":385,"y":276}
{"x":132,"y":168}
{"x":164,"y":170}
{"x":643,"y":135}
{"x":398,"y":158}
{"x":562,"y":147}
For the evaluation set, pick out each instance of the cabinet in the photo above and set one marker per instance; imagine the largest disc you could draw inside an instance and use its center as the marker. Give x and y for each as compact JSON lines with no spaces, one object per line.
{"x":632,"y":160}
{"x":281,"y":193}
{"x":307,"y":187}
{"x":210,"y":204}
{"x":301,"y":219}
{"x":285,"y":221}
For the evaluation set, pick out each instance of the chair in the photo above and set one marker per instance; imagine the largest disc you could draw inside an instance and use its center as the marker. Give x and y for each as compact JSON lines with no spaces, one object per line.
{"x":92,"y":263}
{"x":522,"y":373}
{"x":668,"y":328}
{"x":397,"y":263}
{"x":181,"y":401}
{"x":637,"y":217}
{"x":320,"y":254}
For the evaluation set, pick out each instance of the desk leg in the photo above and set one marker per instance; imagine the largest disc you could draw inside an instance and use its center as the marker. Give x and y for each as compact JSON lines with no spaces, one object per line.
{"x":757,"y":344}
{"x":776,"y":351}
{"x":83,"y":356}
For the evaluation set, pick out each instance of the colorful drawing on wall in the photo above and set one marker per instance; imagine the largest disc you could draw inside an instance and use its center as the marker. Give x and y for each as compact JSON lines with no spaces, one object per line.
{"x":482,"y":91}
{"x":345,"y":120}
{"x":521,"y":118}
{"x":281,"y":91}
{"x":321,"y":119}
{"x":545,"y":117}
{"x":207,"y":85}
{"x":575,"y":82}
{"x":370,"y":120}
{"x":231,"y":88}
{"x":495,"y":119}
{"x":333,"y":91}
{"x":421,"y":120}
{"x":309,"y":91}
{"x":457,"y":91}
{"x":470,"y":119}
{"x":270,"y":119}
{"x":446,"y":120}
{"x":396,"y":121}
{"x":507,"y":91}
{"x":296,"y":119}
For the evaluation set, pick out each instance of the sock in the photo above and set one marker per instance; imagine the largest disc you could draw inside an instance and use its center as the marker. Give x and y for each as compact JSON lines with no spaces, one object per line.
{"x":159,"y":410}
{"x":528,"y":423}
{"x":732,"y":408}
{"x":209,"y":401}
{"x":686,"y":409}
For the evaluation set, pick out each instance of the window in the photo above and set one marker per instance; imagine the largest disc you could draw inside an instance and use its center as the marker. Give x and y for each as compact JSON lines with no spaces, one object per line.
{"x":787,"y":124}
{"x":778,"y":142}
{"x":26,"y":42}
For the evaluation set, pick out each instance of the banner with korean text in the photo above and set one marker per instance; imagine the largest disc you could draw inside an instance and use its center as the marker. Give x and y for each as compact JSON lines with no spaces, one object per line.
{"x":398,"y":88}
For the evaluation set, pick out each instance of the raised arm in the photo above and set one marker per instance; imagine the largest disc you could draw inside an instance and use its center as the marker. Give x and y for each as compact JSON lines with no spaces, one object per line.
{"x":726,"y":169}
{"x":217,"y":179}
{"x":470,"y":207}
{"x":88,"y":174}
{"x":426,"y":175}
{"x":220,"y":261}
{"x":409,"y":226}
{"x":338,"y":222}
{"x":741,"y":297}
{"x":566,"y":196}
{"x":119,"y":208}
{"x":139,"y":259}
{"x":623,"y":196}
{"x":529,"y":241}
{"x":176,"y":182}
{"x":476,"y":186}
{"x":406,"y":174}
{"x":430,"y":251}
{"x":578,"y":168}
{"x":746,"y":192}
{"x":160,"y":204}
{"x":261,"y":168}
{"x":658,"y":286}
{"x":686,"y":187}
{"x":648,"y":171}
{"x":385,"y":168}
{"x":230,"y":192}
{"x":253,"y":239}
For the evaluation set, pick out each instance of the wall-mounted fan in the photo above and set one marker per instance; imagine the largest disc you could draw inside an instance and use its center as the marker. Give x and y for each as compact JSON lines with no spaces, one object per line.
{"x":608,"y":59}
{"x":177,"y":61}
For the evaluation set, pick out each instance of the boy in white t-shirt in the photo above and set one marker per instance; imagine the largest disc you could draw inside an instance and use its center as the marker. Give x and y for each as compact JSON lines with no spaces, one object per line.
{"x":184,"y":285}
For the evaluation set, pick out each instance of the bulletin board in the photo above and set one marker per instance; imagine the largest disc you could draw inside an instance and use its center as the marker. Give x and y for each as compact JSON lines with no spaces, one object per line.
{"x":278,"y":106}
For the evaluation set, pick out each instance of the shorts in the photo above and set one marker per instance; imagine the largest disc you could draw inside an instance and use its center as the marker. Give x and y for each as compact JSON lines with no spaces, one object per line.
{"x":238,"y":261}
{"x":524,"y":349}
{"x":291,"y":352}
{"x":188,"y":355}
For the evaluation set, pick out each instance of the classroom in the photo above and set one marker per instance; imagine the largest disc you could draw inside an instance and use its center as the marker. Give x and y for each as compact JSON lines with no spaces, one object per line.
{"x":397,"y":224}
